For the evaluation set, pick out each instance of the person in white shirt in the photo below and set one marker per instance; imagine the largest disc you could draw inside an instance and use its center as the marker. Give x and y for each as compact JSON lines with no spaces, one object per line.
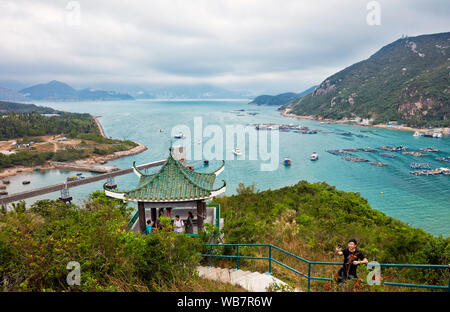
{"x":178,"y":224}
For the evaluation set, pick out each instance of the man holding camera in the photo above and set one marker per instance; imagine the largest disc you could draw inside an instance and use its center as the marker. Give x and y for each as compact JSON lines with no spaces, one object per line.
{"x":352,"y":258}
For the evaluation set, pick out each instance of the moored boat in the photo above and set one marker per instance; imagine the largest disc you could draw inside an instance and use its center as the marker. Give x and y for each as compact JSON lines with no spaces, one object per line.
{"x":237,"y":151}
{"x":26,"y":182}
{"x":314,"y":156}
{"x":287,"y":161}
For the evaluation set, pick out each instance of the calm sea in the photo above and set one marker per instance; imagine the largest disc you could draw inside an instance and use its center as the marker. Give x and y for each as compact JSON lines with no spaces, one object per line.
{"x":420,"y":201}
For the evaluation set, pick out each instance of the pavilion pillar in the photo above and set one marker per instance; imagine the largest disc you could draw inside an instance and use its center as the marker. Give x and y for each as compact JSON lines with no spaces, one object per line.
{"x":201,"y":213}
{"x":141,"y":211}
{"x":153,"y":214}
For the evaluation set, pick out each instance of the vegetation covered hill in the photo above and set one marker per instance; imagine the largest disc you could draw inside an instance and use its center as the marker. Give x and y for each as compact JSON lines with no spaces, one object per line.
{"x":26,"y":123}
{"x":306,"y":219}
{"x":309,"y":220}
{"x":280,"y":99}
{"x":13,"y":107}
{"x":37,"y":245}
{"x":406,"y":81}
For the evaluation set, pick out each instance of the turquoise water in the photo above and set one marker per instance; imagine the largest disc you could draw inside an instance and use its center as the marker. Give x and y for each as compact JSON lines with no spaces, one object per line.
{"x":420,"y":201}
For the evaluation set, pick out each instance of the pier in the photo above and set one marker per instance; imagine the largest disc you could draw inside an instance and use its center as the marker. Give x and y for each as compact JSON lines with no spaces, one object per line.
{"x":58,"y":187}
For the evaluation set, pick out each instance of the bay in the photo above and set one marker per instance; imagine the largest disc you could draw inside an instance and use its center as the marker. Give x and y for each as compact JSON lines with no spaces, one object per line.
{"x":421,"y":201}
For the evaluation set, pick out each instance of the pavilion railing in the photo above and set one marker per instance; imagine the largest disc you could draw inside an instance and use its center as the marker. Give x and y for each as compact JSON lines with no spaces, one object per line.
{"x":308,"y":276}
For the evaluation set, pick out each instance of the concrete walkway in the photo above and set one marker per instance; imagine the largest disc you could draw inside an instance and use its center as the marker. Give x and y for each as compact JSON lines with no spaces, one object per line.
{"x":251,"y":281}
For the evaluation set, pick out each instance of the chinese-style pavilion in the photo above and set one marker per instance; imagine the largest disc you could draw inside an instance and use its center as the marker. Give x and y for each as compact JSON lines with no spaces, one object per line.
{"x":174,"y":186}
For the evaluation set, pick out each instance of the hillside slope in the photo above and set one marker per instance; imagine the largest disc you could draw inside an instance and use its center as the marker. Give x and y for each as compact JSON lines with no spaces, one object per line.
{"x":407,"y":81}
{"x":280,"y":99}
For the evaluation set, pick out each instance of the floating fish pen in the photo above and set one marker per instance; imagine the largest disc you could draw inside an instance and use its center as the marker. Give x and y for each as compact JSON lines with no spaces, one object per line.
{"x":444,"y":159}
{"x":350,"y":149}
{"x":393,"y":148}
{"x":431,"y":172}
{"x":420,"y":166}
{"x":388,"y":155}
{"x":338,"y":152}
{"x":429,"y":149}
{"x":377,"y":163}
{"x":356,"y":159}
{"x":416,"y":154}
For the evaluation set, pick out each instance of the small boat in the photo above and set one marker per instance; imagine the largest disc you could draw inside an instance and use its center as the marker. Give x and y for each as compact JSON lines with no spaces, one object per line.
{"x":72,"y":178}
{"x":5,"y":181}
{"x":237,"y":151}
{"x":314,"y":156}
{"x":437,"y":135}
{"x":190,"y":167}
{"x":287,"y":161}
{"x":26,"y":182}
{"x":2,"y":187}
{"x":36,"y":169}
{"x":79,"y":174}
{"x":3,"y":193}
{"x":417,"y":134}
{"x":206,"y":162}
{"x":179,"y":136}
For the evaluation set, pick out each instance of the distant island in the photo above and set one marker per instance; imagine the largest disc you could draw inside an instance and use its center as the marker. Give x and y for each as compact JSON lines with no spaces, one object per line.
{"x":59,"y":91}
{"x":280,"y":99}
{"x":406,"y":81}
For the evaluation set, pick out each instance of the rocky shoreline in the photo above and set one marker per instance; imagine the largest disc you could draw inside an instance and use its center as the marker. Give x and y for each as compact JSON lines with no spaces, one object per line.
{"x":286,"y":113}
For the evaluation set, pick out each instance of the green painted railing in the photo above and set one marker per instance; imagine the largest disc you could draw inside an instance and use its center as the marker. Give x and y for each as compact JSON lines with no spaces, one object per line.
{"x":311,"y":263}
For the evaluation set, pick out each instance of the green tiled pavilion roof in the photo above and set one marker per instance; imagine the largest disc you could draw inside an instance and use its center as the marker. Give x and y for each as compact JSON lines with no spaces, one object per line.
{"x":173,"y":182}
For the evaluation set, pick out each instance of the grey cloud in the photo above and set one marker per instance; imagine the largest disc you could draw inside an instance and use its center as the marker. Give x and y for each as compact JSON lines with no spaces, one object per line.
{"x":259,"y":45}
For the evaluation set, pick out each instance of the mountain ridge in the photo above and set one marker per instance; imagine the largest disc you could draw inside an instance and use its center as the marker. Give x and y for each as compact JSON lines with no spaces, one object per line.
{"x":60,"y":91}
{"x":405,"y":81}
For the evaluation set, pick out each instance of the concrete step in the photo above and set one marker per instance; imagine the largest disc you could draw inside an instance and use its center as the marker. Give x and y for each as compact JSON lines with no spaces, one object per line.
{"x":251,"y":281}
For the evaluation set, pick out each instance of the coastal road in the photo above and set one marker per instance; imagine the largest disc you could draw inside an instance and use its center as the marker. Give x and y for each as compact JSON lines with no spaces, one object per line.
{"x":57,"y":187}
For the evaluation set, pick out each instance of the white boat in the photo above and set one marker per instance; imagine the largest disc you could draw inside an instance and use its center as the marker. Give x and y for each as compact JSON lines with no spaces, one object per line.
{"x":314,"y":156}
{"x":237,"y":151}
{"x":417,"y":134}
{"x":437,"y":135}
{"x":179,"y":136}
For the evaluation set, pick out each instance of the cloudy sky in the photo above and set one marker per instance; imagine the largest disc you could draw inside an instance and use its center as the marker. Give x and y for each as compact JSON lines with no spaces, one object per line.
{"x":263,"y":46}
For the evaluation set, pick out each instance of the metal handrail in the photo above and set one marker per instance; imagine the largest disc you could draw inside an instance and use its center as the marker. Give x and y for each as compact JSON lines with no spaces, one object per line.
{"x":310,"y":263}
